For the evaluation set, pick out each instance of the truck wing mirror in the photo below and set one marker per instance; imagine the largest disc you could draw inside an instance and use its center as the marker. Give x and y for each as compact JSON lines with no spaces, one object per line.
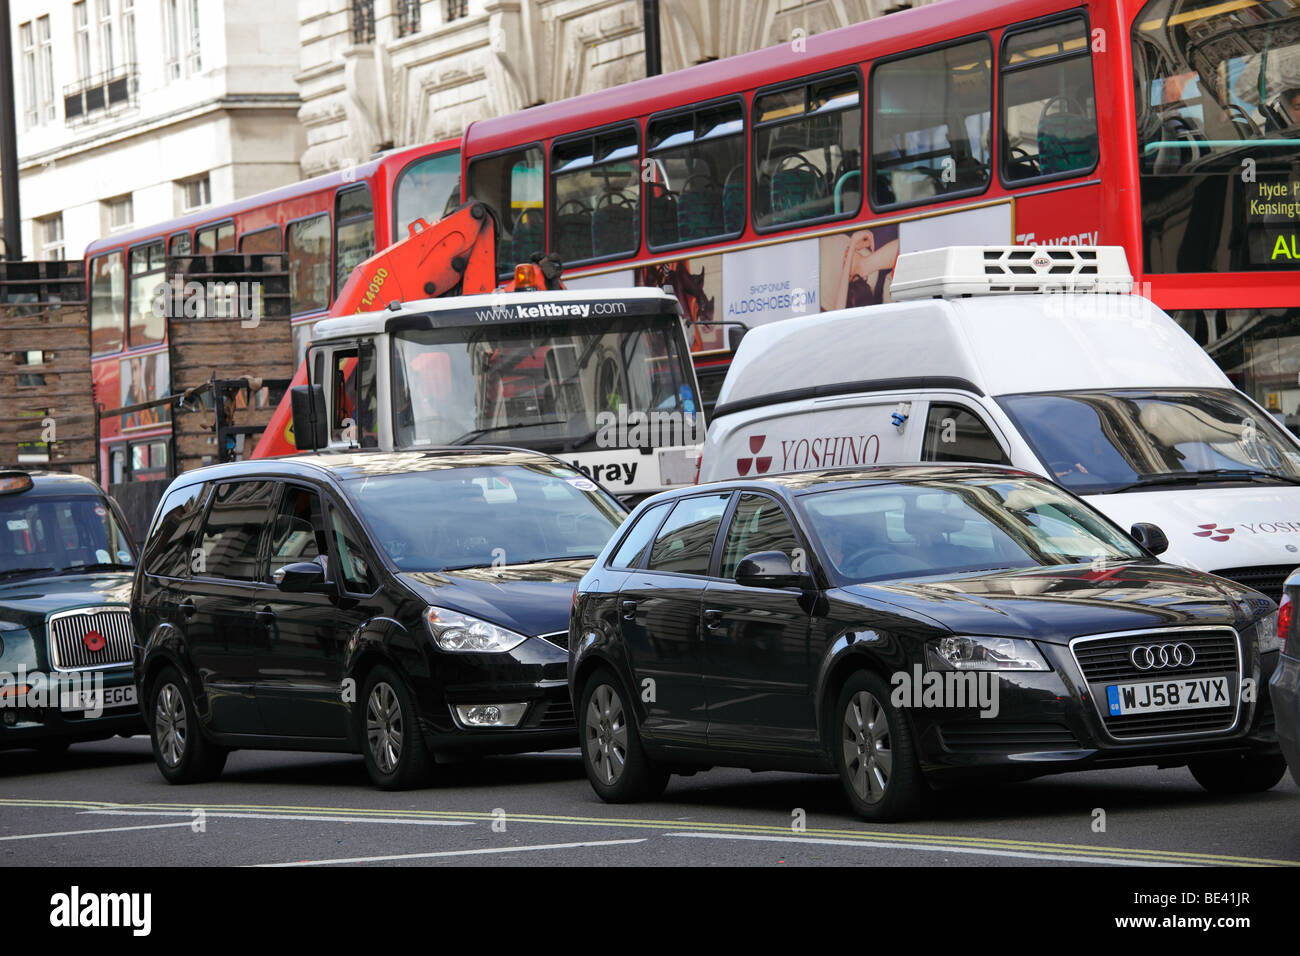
{"x":310,"y":425}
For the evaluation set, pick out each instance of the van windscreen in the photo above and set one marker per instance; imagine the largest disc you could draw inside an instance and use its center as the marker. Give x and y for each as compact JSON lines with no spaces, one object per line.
{"x":1099,"y":442}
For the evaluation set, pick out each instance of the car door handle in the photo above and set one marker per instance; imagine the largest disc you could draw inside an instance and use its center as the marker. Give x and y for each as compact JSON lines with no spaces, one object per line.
{"x":186,"y":608}
{"x":713,"y":619}
{"x":629,"y":610}
{"x":265,"y":615}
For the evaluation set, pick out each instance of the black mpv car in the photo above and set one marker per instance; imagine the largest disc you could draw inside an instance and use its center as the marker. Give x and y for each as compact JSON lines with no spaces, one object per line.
{"x":399,"y":605}
{"x":905,"y":626}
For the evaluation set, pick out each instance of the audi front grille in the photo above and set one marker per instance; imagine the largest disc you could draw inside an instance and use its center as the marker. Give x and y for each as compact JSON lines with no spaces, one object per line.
{"x":90,"y":639}
{"x":1144,"y":656}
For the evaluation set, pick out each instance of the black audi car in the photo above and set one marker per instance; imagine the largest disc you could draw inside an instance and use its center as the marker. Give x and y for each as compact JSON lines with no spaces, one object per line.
{"x":66,"y":563}
{"x":908,"y":626}
{"x":400,"y":605}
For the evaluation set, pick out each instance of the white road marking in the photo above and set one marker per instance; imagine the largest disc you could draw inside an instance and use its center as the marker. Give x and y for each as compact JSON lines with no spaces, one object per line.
{"x":441,"y":853}
{"x":309,"y":817}
{"x":933,"y":848}
{"x":63,"y":833}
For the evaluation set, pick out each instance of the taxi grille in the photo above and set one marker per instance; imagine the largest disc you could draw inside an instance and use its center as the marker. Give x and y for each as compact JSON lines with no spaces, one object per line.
{"x":1108,"y":660}
{"x":69,"y":649}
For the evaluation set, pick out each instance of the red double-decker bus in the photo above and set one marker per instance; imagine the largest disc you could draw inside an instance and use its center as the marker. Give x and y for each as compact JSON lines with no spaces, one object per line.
{"x":787,"y":180}
{"x":326,"y":225}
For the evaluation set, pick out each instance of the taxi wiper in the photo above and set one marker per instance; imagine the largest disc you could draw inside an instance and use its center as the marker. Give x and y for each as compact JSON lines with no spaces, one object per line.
{"x":97,"y":566}
{"x":1206,"y":474}
{"x":14,"y":572}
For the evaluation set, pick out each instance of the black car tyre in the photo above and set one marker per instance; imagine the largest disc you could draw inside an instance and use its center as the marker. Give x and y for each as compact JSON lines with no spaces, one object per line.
{"x":181,"y":751}
{"x":612,"y":755}
{"x":1249,"y":773}
{"x":875,"y":752}
{"x":392,"y":743}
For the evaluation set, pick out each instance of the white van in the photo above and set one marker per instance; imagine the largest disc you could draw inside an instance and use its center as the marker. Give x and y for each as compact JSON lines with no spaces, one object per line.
{"x":977,"y":361}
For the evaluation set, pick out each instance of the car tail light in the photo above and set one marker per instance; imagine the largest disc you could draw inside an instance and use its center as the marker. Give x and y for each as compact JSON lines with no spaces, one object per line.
{"x":1285,"y":612}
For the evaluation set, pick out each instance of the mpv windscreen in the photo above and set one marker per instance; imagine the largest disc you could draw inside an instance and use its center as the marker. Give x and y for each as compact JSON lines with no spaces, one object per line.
{"x":60,"y":534}
{"x":440,"y":520}
{"x":1095,"y":442}
{"x":888,"y":531}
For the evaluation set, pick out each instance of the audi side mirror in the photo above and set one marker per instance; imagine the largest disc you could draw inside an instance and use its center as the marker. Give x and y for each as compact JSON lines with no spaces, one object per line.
{"x":770,"y":569}
{"x":1150,"y":537}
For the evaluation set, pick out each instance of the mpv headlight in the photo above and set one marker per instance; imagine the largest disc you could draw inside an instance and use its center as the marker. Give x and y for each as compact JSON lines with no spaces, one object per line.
{"x":984,"y":654}
{"x":453,"y":631}
{"x":1266,"y":633}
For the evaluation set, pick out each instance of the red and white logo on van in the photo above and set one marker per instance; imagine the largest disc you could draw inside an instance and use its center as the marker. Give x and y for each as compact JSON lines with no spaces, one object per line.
{"x":1213,"y":532}
{"x":1041,"y":260}
{"x":761,"y":463}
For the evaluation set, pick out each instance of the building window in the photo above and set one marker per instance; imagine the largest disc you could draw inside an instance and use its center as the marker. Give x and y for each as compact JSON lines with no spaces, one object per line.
{"x":45,"y":68}
{"x":193,"y":61}
{"x":408,"y":17}
{"x":454,"y":9}
{"x":172,"y":37}
{"x":30,"y":114}
{"x":361,"y":19}
{"x":50,"y":233}
{"x":106,"y":59}
{"x":195,"y":193}
{"x":81,"y":22}
{"x":119,"y":212}
{"x":128,"y":32}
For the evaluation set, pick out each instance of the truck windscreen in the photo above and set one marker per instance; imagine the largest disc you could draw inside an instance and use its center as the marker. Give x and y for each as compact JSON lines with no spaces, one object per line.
{"x":553,"y":385}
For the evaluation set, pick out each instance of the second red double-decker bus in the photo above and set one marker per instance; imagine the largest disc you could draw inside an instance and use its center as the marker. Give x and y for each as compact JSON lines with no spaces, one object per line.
{"x":787,"y":180}
{"x":325,"y":225}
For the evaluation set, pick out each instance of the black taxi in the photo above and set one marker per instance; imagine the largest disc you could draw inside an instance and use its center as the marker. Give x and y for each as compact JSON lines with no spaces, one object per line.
{"x":66,"y":566}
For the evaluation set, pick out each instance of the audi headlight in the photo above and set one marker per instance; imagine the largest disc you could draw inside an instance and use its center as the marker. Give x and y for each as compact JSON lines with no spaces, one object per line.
{"x":984,"y":654}
{"x":1266,"y":633}
{"x":453,"y":631}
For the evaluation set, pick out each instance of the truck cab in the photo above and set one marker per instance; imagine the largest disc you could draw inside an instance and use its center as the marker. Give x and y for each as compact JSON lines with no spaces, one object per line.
{"x":599,"y":379}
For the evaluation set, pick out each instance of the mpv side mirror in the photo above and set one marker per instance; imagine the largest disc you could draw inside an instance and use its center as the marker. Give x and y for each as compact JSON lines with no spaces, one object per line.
{"x":1150,"y":537}
{"x":770,"y":569}
{"x":300,"y":577}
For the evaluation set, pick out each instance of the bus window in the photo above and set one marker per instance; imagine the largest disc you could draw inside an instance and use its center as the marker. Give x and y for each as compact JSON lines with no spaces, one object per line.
{"x":107,"y":303}
{"x":354,"y":231}
{"x":930,"y":124}
{"x":146,"y":265}
{"x":309,"y":264}
{"x":427,"y":189}
{"x":808,"y":152}
{"x":1218,"y":137}
{"x":218,"y":238}
{"x":179,"y":244}
{"x":1049,"y":113}
{"x":595,"y":196}
{"x":263,"y":240}
{"x":696,"y":188}
{"x":511,"y":183}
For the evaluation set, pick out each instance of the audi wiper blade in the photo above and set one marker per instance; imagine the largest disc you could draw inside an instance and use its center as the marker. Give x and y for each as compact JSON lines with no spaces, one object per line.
{"x":1207,"y":474}
{"x":97,"y":566}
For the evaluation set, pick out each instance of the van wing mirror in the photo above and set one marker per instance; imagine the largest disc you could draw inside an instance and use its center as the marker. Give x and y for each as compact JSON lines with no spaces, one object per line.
{"x":770,"y":569}
{"x":310,"y":422}
{"x":1150,"y":537}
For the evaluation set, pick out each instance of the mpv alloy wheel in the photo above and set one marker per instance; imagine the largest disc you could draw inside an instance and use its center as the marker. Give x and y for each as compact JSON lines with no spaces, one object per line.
{"x":392,"y":743}
{"x":384,"y":730}
{"x":616,"y":764}
{"x":172,"y":729}
{"x":875,"y":753}
{"x":181,"y":751}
